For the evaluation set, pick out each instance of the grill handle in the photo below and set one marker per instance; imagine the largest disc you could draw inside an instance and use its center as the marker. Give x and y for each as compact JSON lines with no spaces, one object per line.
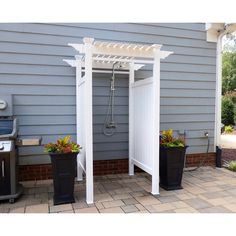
{"x":3,"y":168}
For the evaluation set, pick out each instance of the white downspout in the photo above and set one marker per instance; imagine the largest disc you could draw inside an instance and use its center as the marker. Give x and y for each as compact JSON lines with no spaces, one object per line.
{"x":218,"y":89}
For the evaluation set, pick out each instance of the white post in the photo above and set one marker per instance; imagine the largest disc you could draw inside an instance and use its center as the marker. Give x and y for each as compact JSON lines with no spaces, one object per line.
{"x":156,"y":121}
{"x":131,"y":151}
{"x":88,"y":119}
{"x":78,"y":121}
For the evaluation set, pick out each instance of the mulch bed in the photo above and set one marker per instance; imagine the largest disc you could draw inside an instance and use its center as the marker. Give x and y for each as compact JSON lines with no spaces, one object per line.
{"x":228,"y":154}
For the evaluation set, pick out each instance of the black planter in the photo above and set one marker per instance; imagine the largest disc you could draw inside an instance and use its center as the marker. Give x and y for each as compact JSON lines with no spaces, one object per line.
{"x":171,"y":167}
{"x":64,"y":172}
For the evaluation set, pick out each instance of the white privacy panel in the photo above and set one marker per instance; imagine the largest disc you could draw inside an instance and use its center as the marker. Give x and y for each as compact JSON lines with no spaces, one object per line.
{"x":142,"y":124}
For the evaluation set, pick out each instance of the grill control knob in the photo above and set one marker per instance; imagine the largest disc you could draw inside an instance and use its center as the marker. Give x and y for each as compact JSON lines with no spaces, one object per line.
{"x":3,"y":104}
{"x":1,"y":146}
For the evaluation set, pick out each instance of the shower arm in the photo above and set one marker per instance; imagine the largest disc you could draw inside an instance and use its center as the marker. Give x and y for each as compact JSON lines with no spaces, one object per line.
{"x":113,"y":91}
{"x":113,"y":76}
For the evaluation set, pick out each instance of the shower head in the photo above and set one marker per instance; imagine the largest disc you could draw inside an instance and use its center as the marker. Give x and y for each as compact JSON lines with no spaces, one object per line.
{"x":113,"y":68}
{"x":114,"y":64}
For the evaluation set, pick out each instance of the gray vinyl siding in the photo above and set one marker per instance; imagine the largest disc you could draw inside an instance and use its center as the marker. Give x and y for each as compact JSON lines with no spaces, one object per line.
{"x":43,"y":86}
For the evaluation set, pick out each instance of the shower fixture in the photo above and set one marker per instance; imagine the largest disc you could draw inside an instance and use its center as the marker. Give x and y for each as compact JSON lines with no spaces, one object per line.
{"x":109,"y":126}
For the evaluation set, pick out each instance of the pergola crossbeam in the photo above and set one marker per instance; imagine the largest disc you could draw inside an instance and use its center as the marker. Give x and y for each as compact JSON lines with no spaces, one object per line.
{"x":97,"y":63}
{"x":123,"y":49}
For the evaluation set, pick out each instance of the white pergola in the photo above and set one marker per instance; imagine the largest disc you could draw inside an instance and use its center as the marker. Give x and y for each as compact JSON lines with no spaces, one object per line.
{"x":144,"y":103}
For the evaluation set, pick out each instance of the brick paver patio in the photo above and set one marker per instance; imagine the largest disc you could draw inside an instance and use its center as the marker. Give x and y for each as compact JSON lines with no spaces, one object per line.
{"x":206,"y":190}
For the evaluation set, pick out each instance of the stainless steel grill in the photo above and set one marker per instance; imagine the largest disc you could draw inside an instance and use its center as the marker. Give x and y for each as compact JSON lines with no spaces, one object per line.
{"x":9,"y":186}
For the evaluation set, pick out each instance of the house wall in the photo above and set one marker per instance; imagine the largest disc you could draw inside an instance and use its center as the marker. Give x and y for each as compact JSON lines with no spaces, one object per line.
{"x":43,"y":86}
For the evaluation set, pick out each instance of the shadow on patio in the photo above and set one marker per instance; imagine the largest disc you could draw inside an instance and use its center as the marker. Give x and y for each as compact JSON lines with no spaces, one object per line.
{"x":205,"y":190}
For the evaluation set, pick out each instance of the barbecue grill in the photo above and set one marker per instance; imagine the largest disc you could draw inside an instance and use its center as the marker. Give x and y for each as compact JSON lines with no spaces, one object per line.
{"x":9,"y":186}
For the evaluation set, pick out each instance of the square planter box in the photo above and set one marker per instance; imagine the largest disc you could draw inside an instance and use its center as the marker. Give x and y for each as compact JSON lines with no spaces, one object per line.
{"x":64,"y":172}
{"x":171,"y":167}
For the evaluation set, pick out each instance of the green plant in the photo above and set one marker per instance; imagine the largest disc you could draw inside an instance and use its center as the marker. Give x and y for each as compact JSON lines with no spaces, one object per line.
{"x":234,"y":113}
{"x":63,"y":145}
{"x":227,"y":114}
{"x":228,"y":71}
{"x":167,"y":139}
{"x":232,"y":166}
{"x":229,"y":129}
{"x":233,"y":98}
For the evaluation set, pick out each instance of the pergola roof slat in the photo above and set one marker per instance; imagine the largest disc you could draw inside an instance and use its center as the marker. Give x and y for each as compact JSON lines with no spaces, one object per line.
{"x":110,"y":52}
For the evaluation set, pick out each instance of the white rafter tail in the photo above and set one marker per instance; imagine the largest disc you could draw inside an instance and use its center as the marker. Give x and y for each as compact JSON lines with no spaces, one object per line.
{"x":88,"y":40}
{"x":77,"y":47}
{"x":101,"y":58}
{"x":138,"y":66}
{"x":72,"y":63}
{"x":108,"y":58}
{"x":79,"y":57}
{"x":165,"y":54}
{"x":101,"y":44}
{"x":141,"y":48}
{"x":157,"y":46}
{"x":148,"y":48}
{"x":108,"y":45}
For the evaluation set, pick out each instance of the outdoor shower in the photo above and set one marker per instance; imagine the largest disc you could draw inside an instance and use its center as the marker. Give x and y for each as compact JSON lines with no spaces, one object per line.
{"x":109,"y":126}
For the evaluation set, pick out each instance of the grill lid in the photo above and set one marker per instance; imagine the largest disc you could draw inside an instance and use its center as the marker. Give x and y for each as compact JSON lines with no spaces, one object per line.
{"x":8,"y":128}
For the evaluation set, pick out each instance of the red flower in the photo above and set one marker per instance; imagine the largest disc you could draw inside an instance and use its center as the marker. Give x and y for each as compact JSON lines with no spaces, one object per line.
{"x":67,"y":149}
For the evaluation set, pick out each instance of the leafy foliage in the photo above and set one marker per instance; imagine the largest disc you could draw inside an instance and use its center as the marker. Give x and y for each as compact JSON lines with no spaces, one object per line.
{"x":228,"y":72}
{"x":230,"y":43}
{"x":167,"y":139}
{"x":63,"y":145}
{"x":227,"y":111}
{"x":229,"y":129}
{"x":232,"y":165}
{"x":229,"y":65}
